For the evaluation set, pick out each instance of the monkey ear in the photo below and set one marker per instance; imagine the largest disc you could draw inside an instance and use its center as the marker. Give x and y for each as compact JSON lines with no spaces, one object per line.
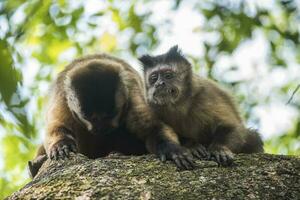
{"x":147,"y":61}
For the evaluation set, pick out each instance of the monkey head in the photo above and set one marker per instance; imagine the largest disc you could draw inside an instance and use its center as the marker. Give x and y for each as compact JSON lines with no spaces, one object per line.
{"x":96,"y":96}
{"x":167,"y":77}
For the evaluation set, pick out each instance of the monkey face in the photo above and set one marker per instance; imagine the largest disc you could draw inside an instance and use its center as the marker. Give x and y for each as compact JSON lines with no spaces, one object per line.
{"x":104,"y":115}
{"x":97,"y":97}
{"x":167,"y":77}
{"x":163,"y":85}
{"x":103,"y":123}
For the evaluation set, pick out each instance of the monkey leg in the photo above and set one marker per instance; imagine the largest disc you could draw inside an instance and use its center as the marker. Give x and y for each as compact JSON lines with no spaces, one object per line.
{"x":60,"y":138}
{"x":254,"y":143}
{"x":228,"y":139}
{"x":159,"y":138}
{"x":62,"y":143}
{"x":35,"y":164}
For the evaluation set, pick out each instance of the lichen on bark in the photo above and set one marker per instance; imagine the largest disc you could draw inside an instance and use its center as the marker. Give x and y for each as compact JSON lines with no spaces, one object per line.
{"x":255,"y":176}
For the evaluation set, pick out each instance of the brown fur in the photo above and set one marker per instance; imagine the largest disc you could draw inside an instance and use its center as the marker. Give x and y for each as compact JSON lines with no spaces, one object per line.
{"x":202,"y":114}
{"x":139,"y":124}
{"x":210,"y":117}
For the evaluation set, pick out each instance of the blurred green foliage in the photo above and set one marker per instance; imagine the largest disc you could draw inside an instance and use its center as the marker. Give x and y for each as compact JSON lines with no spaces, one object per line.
{"x":40,"y":37}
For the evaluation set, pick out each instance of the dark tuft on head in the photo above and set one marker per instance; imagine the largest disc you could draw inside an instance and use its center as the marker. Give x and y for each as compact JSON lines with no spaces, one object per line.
{"x":174,"y":55}
{"x":96,"y":88}
{"x":147,"y":61}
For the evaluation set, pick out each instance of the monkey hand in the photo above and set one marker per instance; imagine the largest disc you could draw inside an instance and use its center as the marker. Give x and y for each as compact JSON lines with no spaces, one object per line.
{"x":199,"y":151}
{"x":222,"y":155}
{"x":62,"y":149}
{"x":179,"y":155}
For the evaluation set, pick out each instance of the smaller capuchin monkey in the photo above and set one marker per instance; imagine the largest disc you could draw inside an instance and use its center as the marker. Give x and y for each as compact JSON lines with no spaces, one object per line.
{"x":202,"y":114}
{"x":97,"y":106}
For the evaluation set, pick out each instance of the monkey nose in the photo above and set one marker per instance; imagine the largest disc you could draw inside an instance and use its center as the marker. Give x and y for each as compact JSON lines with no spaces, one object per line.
{"x":160,"y":85}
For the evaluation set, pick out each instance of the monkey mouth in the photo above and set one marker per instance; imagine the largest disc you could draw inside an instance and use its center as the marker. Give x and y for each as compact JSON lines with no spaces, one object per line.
{"x":165,"y":96}
{"x":173,"y":92}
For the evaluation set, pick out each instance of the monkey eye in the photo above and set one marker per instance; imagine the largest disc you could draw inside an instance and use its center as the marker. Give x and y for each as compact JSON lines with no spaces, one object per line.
{"x":168,"y":75}
{"x":153,"y":78}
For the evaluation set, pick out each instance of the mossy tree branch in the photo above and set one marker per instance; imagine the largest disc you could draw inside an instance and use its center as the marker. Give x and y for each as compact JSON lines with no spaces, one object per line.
{"x":257,"y":176}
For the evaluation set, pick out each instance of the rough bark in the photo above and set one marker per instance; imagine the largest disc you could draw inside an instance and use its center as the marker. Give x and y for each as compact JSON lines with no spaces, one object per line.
{"x":257,"y":176}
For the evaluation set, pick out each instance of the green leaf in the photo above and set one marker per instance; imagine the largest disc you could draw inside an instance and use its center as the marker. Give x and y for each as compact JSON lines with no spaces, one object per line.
{"x":9,"y":76}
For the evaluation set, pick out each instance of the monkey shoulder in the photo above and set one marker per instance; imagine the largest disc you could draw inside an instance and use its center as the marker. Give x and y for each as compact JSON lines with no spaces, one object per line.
{"x":210,"y":91}
{"x":214,"y":100}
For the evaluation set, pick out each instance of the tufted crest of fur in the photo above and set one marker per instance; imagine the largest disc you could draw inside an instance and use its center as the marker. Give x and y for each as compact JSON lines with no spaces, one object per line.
{"x":174,"y":55}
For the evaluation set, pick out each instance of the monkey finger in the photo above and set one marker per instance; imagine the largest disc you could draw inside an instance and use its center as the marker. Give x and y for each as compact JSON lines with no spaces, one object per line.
{"x":226,"y":158}
{"x":191,"y":163}
{"x":61,"y":154}
{"x":55,"y":154}
{"x":66,"y":151}
{"x":186,"y":164}
{"x":73,"y":148}
{"x":178,"y":163}
{"x":190,"y":160}
{"x":207,"y":154}
{"x":162,"y":157}
{"x":202,"y":150}
{"x":202,"y":153}
{"x":196,"y":154}
{"x":229,"y":159}
{"x":175,"y":158}
{"x":217,"y":157}
{"x":223,"y":158}
{"x":51,"y":155}
{"x":186,"y":161}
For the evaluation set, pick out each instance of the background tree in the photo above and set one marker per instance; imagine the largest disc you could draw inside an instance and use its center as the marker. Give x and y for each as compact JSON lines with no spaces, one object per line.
{"x":251,"y":47}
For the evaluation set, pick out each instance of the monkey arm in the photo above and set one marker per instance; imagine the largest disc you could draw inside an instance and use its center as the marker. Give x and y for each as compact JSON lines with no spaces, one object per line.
{"x":142,"y":122}
{"x":165,"y":145}
{"x":159,"y":138}
{"x":60,"y":138}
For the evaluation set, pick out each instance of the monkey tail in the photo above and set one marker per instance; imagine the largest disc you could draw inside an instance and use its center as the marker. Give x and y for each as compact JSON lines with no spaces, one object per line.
{"x":254,"y":143}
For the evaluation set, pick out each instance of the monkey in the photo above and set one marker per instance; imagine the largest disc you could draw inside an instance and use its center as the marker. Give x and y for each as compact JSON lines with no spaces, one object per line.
{"x":202,"y":114}
{"x":97,"y":105}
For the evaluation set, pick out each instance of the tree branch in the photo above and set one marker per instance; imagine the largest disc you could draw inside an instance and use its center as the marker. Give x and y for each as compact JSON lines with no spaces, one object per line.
{"x":291,"y":98}
{"x":255,"y":176}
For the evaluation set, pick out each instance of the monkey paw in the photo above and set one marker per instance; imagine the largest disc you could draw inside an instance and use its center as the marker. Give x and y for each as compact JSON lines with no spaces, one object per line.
{"x":62,"y":149}
{"x":181,"y":157}
{"x":200,"y":152}
{"x":222,"y":155}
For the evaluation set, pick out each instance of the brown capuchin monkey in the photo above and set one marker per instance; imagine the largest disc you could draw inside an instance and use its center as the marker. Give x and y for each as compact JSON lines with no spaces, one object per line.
{"x":98,"y":106}
{"x":202,"y":114}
